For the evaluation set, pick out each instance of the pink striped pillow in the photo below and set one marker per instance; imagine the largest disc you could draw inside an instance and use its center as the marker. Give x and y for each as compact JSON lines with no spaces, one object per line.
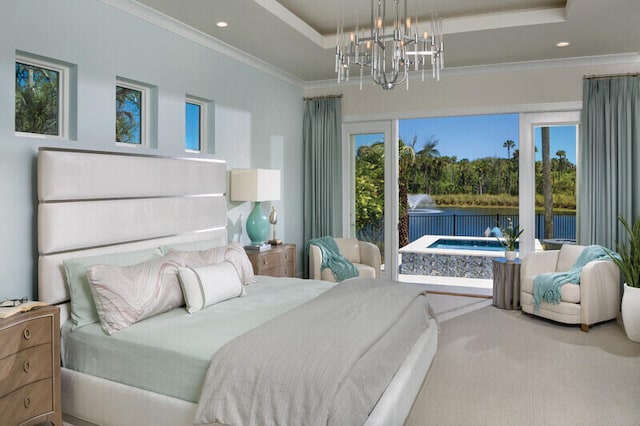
{"x":124,"y":295}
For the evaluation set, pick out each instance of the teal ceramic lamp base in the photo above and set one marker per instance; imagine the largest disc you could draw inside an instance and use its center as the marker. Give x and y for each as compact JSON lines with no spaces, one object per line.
{"x":257,"y":226}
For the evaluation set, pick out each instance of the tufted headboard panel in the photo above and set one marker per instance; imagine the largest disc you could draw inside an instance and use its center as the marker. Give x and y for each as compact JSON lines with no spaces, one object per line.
{"x":92,"y":203}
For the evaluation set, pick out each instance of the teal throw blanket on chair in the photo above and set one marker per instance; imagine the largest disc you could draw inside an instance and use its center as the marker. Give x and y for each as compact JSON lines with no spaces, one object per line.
{"x":331,"y":258}
{"x":546,"y":287}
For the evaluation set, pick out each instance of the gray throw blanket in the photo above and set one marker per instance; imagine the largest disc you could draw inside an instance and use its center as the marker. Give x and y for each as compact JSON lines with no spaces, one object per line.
{"x":341,"y":267}
{"x":546,"y":287}
{"x":292,"y":370}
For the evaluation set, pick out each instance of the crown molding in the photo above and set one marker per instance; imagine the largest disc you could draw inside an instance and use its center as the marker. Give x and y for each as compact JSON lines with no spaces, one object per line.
{"x":464,"y":24}
{"x":181,"y":29}
{"x":622,"y":58}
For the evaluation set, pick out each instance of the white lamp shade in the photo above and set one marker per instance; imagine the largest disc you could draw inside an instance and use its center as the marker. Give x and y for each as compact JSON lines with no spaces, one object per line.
{"x":255,"y":185}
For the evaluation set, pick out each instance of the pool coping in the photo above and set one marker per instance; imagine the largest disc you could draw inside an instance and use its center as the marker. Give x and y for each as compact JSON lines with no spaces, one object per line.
{"x":421,"y":245}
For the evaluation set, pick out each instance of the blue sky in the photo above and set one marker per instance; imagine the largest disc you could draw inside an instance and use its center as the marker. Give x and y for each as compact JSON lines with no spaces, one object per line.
{"x":477,"y":136}
{"x":192,"y":124}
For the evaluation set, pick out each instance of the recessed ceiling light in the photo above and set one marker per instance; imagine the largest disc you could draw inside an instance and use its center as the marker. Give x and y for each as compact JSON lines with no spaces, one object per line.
{"x":222,"y":24}
{"x":563,"y":44}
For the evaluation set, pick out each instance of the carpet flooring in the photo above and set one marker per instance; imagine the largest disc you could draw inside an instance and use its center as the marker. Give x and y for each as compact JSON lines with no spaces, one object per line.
{"x":500,"y":367}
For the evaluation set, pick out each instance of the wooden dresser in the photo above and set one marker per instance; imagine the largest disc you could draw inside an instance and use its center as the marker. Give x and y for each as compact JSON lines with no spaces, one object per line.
{"x":279,"y":261}
{"x":30,"y":367}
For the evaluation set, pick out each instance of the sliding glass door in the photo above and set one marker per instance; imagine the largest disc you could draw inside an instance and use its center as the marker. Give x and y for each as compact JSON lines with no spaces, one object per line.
{"x":369,"y":192}
{"x":549,"y":178}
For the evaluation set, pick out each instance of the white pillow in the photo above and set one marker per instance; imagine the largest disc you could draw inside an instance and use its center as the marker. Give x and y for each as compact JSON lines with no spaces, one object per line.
{"x":233,"y":253}
{"x":208,"y":285}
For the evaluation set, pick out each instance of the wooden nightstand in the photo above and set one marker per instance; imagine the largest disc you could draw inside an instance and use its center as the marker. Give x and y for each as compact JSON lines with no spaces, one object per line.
{"x":30,"y":367}
{"x":279,"y":261}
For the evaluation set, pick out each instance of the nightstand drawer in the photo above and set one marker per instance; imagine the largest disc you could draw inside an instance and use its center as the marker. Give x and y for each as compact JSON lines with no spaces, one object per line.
{"x":24,"y":367}
{"x":269,"y":260}
{"x":288,"y":270}
{"x":25,"y":335}
{"x":278,"y":261}
{"x":290,"y":254}
{"x":28,"y":401}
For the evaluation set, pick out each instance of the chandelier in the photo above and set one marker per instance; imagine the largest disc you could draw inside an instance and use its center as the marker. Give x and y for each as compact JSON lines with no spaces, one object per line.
{"x":390,"y":54}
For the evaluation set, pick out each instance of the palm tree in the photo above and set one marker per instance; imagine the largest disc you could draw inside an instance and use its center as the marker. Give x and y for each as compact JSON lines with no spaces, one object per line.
{"x":509,"y":144}
{"x":406,"y":158}
{"x":36,"y":100}
{"x":481,"y":166}
{"x":425,"y":156}
{"x":128,"y":118}
{"x":547,"y":184}
{"x":562,"y":156}
{"x":414,"y":178}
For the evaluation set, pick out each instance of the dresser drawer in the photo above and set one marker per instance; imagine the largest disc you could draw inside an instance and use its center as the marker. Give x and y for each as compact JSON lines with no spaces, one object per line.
{"x":28,"y":401}
{"x":24,"y":367}
{"x":25,"y":335}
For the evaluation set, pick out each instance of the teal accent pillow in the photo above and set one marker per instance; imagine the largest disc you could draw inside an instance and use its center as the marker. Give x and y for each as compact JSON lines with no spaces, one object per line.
{"x":83,"y":309}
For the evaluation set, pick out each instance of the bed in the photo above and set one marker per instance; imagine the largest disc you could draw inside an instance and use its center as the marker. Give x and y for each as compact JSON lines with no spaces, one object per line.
{"x":95,"y":206}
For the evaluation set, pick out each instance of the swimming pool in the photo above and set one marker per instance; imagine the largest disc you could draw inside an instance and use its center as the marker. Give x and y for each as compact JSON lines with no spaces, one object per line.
{"x":468,"y":244}
{"x":446,"y":256}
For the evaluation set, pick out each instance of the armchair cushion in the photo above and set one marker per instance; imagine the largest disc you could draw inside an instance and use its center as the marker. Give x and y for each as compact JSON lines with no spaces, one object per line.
{"x":568,"y":293}
{"x":568,"y":255}
{"x":365,"y":257}
{"x":349,"y":248}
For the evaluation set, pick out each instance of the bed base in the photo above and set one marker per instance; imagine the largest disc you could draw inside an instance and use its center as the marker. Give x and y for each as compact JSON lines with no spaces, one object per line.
{"x":98,"y":401}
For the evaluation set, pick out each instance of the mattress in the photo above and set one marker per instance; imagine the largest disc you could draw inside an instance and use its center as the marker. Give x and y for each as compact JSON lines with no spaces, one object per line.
{"x":170,"y":353}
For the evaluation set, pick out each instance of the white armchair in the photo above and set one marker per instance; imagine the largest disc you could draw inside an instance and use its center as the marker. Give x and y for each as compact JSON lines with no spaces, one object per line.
{"x":364,"y":255}
{"x":595,"y":299}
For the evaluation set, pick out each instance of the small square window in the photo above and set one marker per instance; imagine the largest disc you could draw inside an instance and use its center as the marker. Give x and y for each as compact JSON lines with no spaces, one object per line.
{"x":197,"y":125}
{"x":193,"y":125}
{"x":40,"y":98}
{"x":130,"y":119}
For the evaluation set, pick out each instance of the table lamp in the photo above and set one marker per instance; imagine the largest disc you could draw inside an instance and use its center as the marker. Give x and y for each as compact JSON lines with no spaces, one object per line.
{"x":256,"y":185}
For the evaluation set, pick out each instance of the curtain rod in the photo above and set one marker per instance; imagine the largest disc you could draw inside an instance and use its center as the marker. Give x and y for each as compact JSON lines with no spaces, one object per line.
{"x":593,"y":76}
{"x":321,"y":97}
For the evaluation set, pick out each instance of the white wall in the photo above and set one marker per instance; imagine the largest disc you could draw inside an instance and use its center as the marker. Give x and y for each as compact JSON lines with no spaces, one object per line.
{"x":258,"y":116}
{"x":524,"y":87}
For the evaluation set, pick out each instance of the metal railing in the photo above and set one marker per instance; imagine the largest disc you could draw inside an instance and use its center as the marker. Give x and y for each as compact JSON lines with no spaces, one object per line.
{"x":423,"y":223}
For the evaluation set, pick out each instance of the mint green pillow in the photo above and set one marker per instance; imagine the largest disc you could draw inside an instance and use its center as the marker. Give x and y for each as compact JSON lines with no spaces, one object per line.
{"x":83,"y":309}
{"x":195,"y":245}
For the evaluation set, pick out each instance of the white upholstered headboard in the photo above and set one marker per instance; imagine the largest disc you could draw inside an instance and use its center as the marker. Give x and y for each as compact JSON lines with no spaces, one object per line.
{"x":92,"y":203}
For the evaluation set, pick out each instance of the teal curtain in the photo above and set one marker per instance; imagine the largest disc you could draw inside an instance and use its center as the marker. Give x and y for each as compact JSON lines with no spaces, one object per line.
{"x":609,"y":158}
{"x":322,"y":133}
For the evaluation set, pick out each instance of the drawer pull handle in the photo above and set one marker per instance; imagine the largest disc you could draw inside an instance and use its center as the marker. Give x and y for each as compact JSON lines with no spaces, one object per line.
{"x":26,"y":366}
{"x":27,"y":402}
{"x":27,"y":333}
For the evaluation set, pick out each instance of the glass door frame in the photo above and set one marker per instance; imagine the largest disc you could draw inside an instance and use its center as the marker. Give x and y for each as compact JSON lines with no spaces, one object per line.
{"x":389,"y":128}
{"x":528,"y":123}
